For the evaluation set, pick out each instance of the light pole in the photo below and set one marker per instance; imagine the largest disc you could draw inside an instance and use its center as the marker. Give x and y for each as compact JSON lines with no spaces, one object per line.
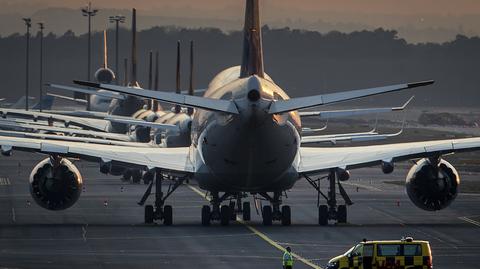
{"x":41,"y":25}
{"x":117,"y":20}
{"x":28,"y":23}
{"x":89,"y":12}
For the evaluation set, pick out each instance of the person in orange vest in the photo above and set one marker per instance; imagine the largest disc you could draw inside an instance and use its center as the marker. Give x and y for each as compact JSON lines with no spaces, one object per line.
{"x":287,"y":260}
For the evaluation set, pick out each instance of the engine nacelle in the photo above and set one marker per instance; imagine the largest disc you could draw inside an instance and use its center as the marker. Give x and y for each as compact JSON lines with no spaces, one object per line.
{"x":55,"y":187}
{"x":388,"y":167}
{"x":104,"y":75}
{"x":343,"y":175}
{"x":110,"y":168}
{"x":432,"y":187}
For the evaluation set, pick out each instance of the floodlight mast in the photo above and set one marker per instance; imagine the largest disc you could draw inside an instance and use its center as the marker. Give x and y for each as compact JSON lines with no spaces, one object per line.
{"x":117,"y":20}
{"x":88,"y":12}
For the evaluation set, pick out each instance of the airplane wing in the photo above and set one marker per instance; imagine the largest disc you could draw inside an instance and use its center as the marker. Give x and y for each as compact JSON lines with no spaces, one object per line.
{"x":314,"y":160}
{"x":282,"y":106}
{"x":175,"y":159}
{"x":83,"y":101}
{"x":8,"y":124}
{"x":174,"y":98}
{"x":352,"y":112}
{"x":95,"y":124}
{"x":357,"y":137}
{"x":103,"y":141}
{"x":79,"y":113}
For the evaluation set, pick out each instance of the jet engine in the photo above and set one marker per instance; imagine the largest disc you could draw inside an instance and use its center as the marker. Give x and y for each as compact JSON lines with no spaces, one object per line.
{"x":432,"y":186}
{"x":104,"y":75}
{"x":55,"y":184}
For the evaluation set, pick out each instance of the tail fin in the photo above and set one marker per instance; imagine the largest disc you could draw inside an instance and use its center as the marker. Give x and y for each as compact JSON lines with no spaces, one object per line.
{"x":191,"y":91}
{"x":252,"y":62}
{"x":133,"y":75}
{"x":105,"y":55}
{"x":178,"y":90}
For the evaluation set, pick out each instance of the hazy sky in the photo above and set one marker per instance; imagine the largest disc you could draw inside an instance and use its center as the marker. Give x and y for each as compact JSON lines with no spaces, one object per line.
{"x":415,"y":20}
{"x":441,"y":7}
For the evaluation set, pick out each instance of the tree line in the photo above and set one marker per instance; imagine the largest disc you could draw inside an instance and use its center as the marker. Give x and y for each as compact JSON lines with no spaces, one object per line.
{"x":301,"y":62}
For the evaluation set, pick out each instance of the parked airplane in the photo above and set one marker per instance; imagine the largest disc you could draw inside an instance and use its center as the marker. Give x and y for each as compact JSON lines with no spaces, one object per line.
{"x":246,"y":139}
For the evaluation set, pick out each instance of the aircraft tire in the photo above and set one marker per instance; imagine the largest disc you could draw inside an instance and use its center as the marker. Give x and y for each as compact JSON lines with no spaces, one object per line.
{"x":267,"y":215}
{"x":342,"y":214}
{"x":168,"y":215}
{"x":246,"y":211}
{"x":206,"y":215}
{"x":323,"y":215}
{"x":225,"y":215}
{"x":233,"y":215}
{"x":286,"y":215}
{"x":149,"y":214}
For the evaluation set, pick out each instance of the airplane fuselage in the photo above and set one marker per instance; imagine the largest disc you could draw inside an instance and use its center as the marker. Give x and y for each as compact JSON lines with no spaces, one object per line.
{"x":252,"y":151}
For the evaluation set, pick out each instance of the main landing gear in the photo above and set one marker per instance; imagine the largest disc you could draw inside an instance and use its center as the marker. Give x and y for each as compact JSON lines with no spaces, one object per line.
{"x":159,"y":211}
{"x":331,"y":211}
{"x":225,"y":213}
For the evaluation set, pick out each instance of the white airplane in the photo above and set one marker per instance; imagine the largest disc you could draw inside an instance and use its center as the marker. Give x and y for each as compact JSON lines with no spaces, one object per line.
{"x":246,"y":139}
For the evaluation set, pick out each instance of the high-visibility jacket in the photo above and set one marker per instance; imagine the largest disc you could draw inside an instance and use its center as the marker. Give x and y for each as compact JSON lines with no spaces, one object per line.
{"x":287,"y":259}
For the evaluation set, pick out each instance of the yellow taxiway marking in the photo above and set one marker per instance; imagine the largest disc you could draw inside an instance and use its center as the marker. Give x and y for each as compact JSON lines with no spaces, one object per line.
{"x":476,"y":223}
{"x":260,"y":234}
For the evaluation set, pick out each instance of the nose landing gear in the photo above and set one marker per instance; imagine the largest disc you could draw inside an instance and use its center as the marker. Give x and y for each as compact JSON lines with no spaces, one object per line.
{"x":225,"y":213}
{"x":274,"y":212}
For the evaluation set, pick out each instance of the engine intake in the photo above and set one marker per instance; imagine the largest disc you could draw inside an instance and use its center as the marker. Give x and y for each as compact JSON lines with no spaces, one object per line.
{"x":432,"y":187}
{"x":55,"y":187}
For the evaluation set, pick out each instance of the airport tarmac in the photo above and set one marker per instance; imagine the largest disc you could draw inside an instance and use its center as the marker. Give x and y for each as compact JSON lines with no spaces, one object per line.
{"x":105,"y":230}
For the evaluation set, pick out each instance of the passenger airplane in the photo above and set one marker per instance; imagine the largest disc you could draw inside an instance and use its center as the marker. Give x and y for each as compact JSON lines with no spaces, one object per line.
{"x":246,"y":139}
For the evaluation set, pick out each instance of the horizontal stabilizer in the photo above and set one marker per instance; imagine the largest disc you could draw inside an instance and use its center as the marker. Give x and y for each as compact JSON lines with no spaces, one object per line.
{"x":86,"y":91}
{"x":334,"y":139}
{"x":352,"y":112}
{"x":174,"y":98}
{"x":76,"y":100}
{"x":282,"y":106}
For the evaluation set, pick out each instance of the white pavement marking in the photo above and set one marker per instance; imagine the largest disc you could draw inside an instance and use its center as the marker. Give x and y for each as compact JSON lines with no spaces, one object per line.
{"x":262,"y":235}
{"x":476,"y":223}
{"x":4,"y":181}
{"x":13,"y":215}
{"x":84,"y":234}
{"x":362,"y":186}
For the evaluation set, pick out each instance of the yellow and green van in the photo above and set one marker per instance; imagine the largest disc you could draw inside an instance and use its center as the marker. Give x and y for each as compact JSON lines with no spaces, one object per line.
{"x":395,"y":254}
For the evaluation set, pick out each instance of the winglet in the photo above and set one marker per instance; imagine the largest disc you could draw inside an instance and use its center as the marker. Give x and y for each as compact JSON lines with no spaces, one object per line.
{"x":405,"y":105}
{"x":420,"y":84}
